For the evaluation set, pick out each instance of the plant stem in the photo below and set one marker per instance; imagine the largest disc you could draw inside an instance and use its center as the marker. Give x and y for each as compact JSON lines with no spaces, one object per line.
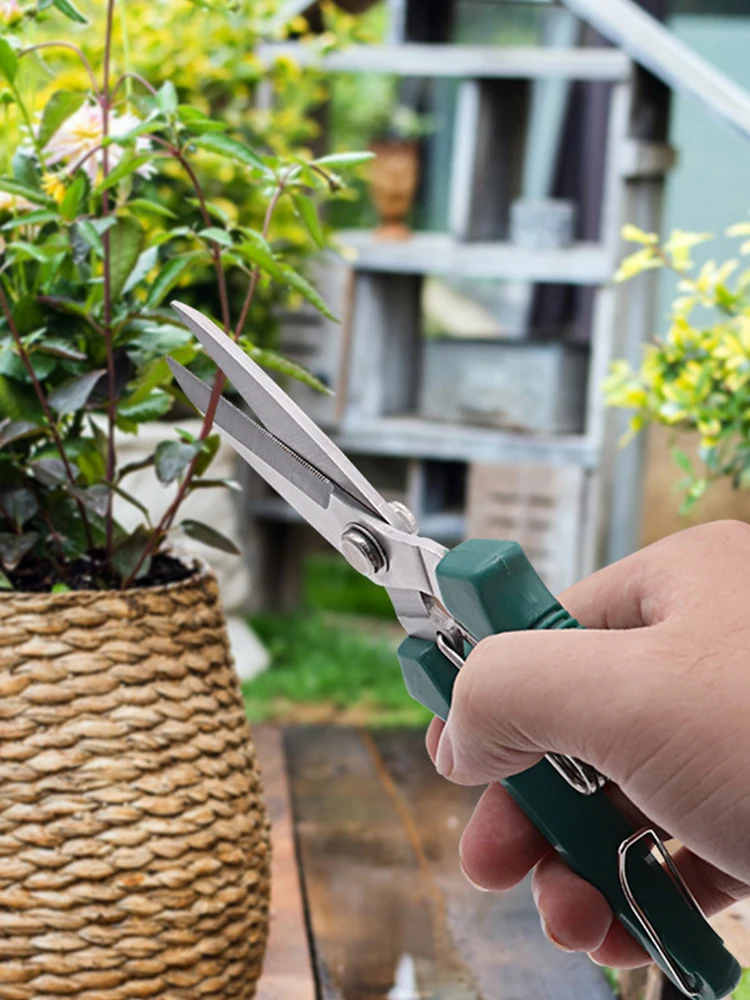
{"x":169,"y":515}
{"x":65,"y":45}
{"x":23,"y":354}
{"x":124,"y":77}
{"x":48,"y":521}
{"x":104,"y":101}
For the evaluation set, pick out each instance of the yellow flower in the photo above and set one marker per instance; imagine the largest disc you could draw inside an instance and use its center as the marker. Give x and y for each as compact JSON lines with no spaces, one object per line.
{"x":53,"y":185}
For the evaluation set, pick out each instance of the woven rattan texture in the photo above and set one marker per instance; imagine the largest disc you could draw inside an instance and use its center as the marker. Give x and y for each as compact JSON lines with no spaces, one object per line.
{"x":134,"y":852}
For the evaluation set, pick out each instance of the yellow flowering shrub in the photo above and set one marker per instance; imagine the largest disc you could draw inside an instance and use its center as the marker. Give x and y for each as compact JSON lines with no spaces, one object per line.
{"x":696,"y":376}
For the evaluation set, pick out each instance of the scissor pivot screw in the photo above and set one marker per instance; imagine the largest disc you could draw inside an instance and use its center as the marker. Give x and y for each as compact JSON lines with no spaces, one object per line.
{"x":363,"y":551}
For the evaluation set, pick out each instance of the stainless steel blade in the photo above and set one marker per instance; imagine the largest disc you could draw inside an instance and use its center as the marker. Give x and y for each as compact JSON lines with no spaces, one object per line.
{"x":412,"y":561}
{"x":262,"y":444}
{"x":281,"y":415}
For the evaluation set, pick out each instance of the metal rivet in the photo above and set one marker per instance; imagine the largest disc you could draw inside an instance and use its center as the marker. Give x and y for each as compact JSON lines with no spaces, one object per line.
{"x":408,"y":520}
{"x":363,"y":551}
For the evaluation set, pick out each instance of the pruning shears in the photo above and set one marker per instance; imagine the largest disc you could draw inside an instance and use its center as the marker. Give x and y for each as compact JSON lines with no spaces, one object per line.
{"x":447,"y":601}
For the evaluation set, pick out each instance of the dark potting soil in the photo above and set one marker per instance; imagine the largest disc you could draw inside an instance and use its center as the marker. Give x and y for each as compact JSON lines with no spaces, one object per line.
{"x":35,"y":576}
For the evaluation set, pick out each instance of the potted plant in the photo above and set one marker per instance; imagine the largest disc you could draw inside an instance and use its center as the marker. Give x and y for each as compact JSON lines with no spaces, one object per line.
{"x":394,"y":173}
{"x":137,"y":837}
{"x":697,"y":376}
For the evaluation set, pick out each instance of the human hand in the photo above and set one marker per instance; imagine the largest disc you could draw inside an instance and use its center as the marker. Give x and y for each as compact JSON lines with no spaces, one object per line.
{"x":655,"y":694}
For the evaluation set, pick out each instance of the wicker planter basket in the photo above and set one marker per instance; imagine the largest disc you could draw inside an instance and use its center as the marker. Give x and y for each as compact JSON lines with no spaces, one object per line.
{"x":134,"y":852}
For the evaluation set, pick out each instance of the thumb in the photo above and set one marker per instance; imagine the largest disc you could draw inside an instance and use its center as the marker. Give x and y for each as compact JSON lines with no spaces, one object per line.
{"x":519,"y":695}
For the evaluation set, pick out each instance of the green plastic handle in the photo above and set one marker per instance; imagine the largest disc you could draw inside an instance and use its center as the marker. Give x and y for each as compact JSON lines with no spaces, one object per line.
{"x":491,"y":587}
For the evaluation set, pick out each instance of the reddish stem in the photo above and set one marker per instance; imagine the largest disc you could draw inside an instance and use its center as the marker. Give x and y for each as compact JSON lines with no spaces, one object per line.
{"x":73,"y":48}
{"x":104,"y":101}
{"x":169,"y":515}
{"x":26,"y":360}
{"x":132,"y":76}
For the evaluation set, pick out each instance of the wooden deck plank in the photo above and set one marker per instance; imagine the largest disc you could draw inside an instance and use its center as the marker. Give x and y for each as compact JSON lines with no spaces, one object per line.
{"x":378,"y":930}
{"x":287,"y":971}
{"x":498,"y":936}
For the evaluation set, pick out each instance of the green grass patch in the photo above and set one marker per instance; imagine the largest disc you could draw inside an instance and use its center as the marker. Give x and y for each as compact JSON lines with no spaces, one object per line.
{"x":322,"y":672}
{"x":330,"y":584}
{"x":743,"y":990}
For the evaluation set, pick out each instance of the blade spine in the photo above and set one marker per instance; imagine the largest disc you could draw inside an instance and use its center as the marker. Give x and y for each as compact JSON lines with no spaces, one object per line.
{"x":365,"y":494}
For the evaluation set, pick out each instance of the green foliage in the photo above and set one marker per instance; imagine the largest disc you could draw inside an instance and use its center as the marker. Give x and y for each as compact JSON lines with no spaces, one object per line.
{"x":331,"y":667}
{"x":187,"y":187}
{"x":697,"y":376}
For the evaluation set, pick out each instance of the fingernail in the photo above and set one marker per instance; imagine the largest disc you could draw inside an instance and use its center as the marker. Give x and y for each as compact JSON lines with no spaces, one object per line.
{"x":552,"y":939}
{"x":444,"y":756}
{"x":469,"y":879}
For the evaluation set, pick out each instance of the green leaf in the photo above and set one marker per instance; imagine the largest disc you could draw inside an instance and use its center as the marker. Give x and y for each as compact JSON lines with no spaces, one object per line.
{"x":224,"y":145}
{"x":88,"y":457}
{"x":49,"y":471}
{"x":166,"y":98}
{"x":63,"y":305}
{"x":75,"y":196}
{"x":25,"y":169}
{"x":20,"y":504}
{"x":292,"y":279}
{"x":262,"y":257}
{"x":19,"y":402}
{"x":173,"y":458}
{"x":147,"y":125}
{"x":145,"y":263}
{"x":57,"y":110}
{"x":308,"y":212}
{"x":14,"y":547}
{"x":28,"y":315}
{"x":16,"y":430}
{"x":209,"y":536}
{"x":8,"y":60}
{"x":207,"y":453}
{"x":29,"y":251}
{"x":197,"y":121}
{"x":344,"y":159}
{"x":145,"y":205}
{"x":73,"y":395}
{"x":38,"y":218}
{"x":155,"y":405}
{"x":60,"y":348}
{"x":217,"y":236}
{"x":127,"y":166}
{"x":125,"y":243}
{"x":95,"y":498}
{"x":5,"y":583}
{"x":170,"y":274}
{"x":12,"y":186}
{"x":70,"y":11}
{"x":284,"y":366}
{"x":128,"y":552}
{"x":60,"y":588}
{"x":682,"y":460}
{"x":12,"y":365}
{"x":89,"y":234}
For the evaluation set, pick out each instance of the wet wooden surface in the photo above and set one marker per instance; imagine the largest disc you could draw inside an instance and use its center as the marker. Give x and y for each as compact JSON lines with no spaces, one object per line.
{"x":387,"y":912}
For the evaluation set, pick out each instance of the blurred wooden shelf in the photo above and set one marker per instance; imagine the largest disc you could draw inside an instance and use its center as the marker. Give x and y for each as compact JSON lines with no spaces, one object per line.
{"x":467,"y":61}
{"x":420,"y":438}
{"x":448,"y":527}
{"x":439,"y":253}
